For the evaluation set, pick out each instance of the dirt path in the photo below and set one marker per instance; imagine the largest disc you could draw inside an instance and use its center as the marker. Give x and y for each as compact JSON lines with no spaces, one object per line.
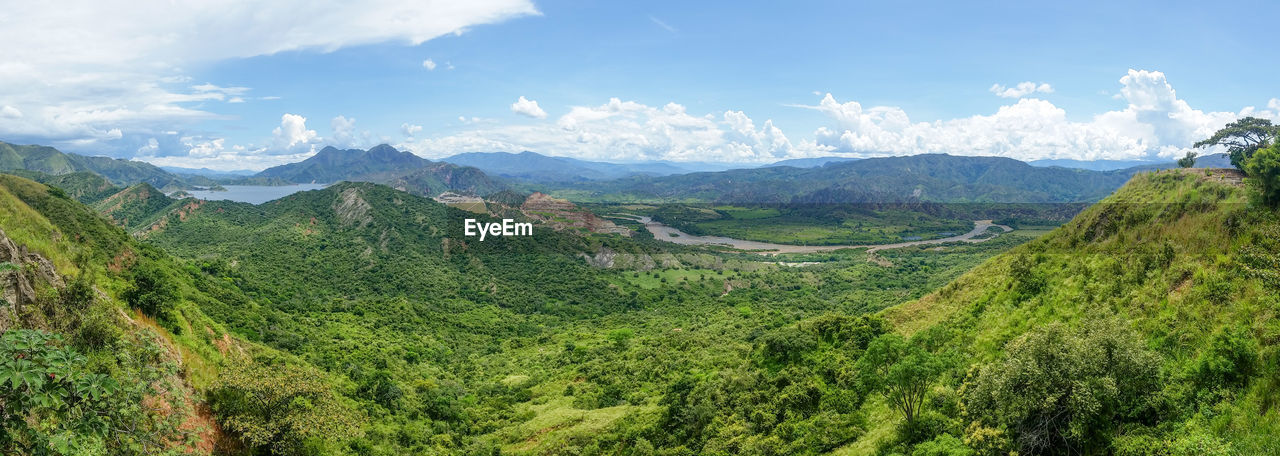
{"x":669,"y":234}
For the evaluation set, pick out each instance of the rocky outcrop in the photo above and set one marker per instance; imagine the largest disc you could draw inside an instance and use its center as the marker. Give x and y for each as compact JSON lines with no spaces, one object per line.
{"x":351,"y":209}
{"x":20,"y":271}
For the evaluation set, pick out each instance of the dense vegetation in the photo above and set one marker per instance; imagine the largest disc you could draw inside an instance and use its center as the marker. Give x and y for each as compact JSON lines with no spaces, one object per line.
{"x":358,"y":320}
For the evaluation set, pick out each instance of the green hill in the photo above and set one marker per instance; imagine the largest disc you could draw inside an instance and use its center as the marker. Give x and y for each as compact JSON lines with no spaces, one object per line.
{"x":929,"y":177}
{"x":120,"y":172}
{"x":111,"y":350}
{"x":1145,"y":326}
{"x":386,"y":165}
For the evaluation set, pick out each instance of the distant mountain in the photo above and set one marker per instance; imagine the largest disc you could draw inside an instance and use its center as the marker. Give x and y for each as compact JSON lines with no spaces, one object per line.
{"x":930,"y":177}
{"x":811,"y":162}
{"x":535,"y":167}
{"x":440,"y":177}
{"x":384,"y":164}
{"x":333,"y":165}
{"x":206,"y":172}
{"x":1093,"y":165}
{"x":120,"y":172}
{"x":1204,"y":161}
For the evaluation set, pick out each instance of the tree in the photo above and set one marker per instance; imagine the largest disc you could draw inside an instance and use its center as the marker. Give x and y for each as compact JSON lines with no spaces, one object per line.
{"x":1264,"y":167}
{"x":1242,"y":138}
{"x":280,"y":409}
{"x":901,"y":371}
{"x":1188,"y":161}
{"x":1064,"y":392}
{"x":153,"y":291}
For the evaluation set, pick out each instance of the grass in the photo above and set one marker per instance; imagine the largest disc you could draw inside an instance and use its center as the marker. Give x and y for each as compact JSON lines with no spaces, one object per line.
{"x":555,"y":422}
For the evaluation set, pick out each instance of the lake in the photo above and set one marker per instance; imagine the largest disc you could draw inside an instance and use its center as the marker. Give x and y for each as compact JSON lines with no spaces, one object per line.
{"x":254,"y":194}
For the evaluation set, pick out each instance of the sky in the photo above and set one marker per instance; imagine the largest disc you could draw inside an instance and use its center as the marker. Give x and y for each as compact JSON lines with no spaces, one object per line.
{"x":234,"y":85}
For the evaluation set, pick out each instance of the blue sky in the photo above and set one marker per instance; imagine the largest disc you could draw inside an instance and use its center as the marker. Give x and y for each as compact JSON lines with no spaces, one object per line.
{"x":254,"y":85}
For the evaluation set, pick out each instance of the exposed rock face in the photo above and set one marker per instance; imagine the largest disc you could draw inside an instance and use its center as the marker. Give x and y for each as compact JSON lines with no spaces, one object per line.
{"x":19,"y":271}
{"x":563,"y":215}
{"x":351,"y":209}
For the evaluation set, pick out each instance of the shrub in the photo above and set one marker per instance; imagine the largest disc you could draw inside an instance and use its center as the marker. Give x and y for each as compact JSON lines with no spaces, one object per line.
{"x":153,"y":290}
{"x":1264,"y":167}
{"x":1059,"y":391}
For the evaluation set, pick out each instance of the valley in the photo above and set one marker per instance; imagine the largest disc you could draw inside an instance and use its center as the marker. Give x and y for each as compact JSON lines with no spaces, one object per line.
{"x":669,"y":234}
{"x":365,"y":309}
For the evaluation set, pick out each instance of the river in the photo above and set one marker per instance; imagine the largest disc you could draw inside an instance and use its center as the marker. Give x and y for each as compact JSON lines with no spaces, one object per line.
{"x":670,"y":234}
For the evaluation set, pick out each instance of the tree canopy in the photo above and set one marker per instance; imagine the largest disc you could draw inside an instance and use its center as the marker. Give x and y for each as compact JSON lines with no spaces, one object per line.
{"x":1242,"y":138}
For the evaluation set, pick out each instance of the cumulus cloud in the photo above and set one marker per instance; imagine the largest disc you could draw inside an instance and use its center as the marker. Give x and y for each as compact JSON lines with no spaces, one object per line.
{"x":429,"y":64}
{"x":1021,"y":90}
{"x":1156,"y":123}
{"x":10,"y":112}
{"x":527,"y":107}
{"x":292,"y":134}
{"x":1153,"y":124}
{"x":343,"y":131}
{"x":82,"y":68}
{"x":627,"y":131}
{"x":410,"y":129}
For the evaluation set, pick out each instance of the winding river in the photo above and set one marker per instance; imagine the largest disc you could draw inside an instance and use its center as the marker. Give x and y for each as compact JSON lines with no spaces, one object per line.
{"x":670,"y":234}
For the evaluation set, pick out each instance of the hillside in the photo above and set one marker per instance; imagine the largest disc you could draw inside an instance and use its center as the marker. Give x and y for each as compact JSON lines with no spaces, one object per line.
{"x":385,"y":165}
{"x":120,"y":172}
{"x":930,"y":177}
{"x":1155,"y":306}
{"x":111,"y":346}
{"x":519,"y":344}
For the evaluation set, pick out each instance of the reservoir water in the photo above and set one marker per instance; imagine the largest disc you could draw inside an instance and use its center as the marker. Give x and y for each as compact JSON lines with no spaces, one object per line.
{"x":254,"y":194}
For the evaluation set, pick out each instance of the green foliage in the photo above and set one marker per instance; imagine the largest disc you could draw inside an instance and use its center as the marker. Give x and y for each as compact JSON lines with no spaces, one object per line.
{"x":901,"y":371}
{"x":1228,"y":363}
{"x":285,"y":410}
{"x":1264,"y":167}
{"x":153,"y":290}
{"x":1061,"y":391}
{"x":943,"y":445}
{"x":1242,"y":138}
{"x":47,"y":399}
{"x":1188,"y":161}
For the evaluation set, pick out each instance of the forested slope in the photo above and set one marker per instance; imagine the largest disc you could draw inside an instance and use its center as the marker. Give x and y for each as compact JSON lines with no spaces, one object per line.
{"x":1147,"y":325}
{"x":107,"y":349}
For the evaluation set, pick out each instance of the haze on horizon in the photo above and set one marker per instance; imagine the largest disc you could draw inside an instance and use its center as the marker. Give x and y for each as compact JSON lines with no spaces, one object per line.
{"x":273,"y":83}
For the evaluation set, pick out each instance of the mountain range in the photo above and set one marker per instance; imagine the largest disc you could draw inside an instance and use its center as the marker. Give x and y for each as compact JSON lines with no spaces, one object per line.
{"x":121,"y":172}
{"x":929,"y":177}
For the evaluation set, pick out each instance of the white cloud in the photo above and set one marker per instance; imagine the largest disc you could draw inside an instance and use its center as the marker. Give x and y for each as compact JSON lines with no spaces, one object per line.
{"x":410,"y":129}
{"x":10,"y":112}
{"x":292,"y":134}
{"x":429,"y":64}
{"x":661,"y":24}
{"x":1154,"y":124}
{"x":150,"y":148}
{"x":343,"y":131}
{"x":627,"y":131}
{"x":1021,"y":90}
{"x":527,"y":107}
{"x":79,"y":69}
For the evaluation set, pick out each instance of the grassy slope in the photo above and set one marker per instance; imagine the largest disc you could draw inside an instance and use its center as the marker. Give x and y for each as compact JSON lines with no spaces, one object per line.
{"x":1178,"y":255}
{"x":62,"y":230}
